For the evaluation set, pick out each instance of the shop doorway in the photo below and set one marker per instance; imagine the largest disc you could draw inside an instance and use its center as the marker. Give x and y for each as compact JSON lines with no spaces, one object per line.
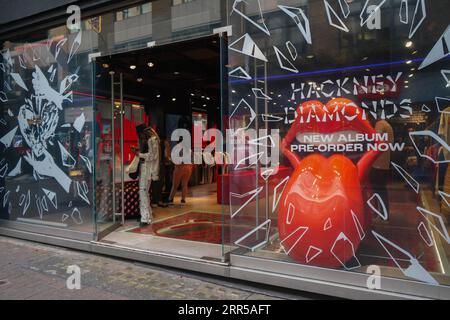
{"x":176,"y":86}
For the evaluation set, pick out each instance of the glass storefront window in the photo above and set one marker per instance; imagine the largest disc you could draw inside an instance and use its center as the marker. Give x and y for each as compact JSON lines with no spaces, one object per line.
{"x":47,"y":134}
{"x":358,"y":96}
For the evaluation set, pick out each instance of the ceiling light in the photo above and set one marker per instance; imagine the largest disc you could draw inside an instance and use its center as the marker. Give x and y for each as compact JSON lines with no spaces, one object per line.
{"x":174,"y":99}
{"x":234,"y":91}
{"x":409,"y":62}
{"x":176,"y":73}
{"x":105,"y":65}
{"x":158,"y":96}
{"x":310,"y":56}
{"x":408,"y":44}
{"x":151,"y":64}
{"x":411,"y":75}
{"x":132,"y":67}
{"x":139,"y":79}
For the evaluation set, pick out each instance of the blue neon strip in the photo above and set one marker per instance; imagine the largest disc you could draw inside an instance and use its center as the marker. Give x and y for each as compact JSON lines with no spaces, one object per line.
{"x":302,"y":74}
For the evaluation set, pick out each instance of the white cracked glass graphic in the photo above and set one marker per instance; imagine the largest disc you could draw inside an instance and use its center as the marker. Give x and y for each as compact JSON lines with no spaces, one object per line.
{"x":351,"y":264}
{"x":407,"y":177}
{"x":358,"y":226}
{"x":239,"y":73}
{"x":82,"y":191}
{"x":333,"y":18}
{"x":284,"y":62}
{"x":313,"y":252}
{"x":59,"y":46}
{"x":79,"y":122}
{"x":19,"y":81}
{"x":17,"y":170}
{"x":87,"y":162}
{"x":291,"y":213}
{"x":373,"y":201}
{"x":426,"y":109}
{"x":442,"y":105}
{"x":437,"y":222}
{"x":248,"y":162}
{"x":67,"y":159}
{"x":435,"y":139}
{"x":278,"y":192}
{"x":248,"y":47}
{"x":327,"y":225}
{"x":261,"y":243}
{"x":241,"y":197}
{"x":243,"y":113}
{"x":439,"y":51}
{"x":414,"y":270}
{"x":365,"y":15}
{"x":298,"y":233}
{"x":259,"y":94}
{"x":3,"y":97}
{"x":76,"y":216}
{"x":404,"y":12}
{"x":264,"y":141}
{"x":300,"y":19}
{"x":75,"y":46}
{"x":446,"y":76}
{"x":51,"y":195}
{"x":7,"y":139}
{"x":3,"y":170}
{"x":257,"y":20}
{"x":292,"y":50}
{"x":425,"y":234}
{"x":420,"y":14}
{"x":266,"y":173}
{"x":271,"y":118}
{"x":445,"y":197}
{"x":26,"y":203}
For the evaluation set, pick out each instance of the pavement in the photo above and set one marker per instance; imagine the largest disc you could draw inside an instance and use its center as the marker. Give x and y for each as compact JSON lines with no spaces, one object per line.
{"x":33,"y":271}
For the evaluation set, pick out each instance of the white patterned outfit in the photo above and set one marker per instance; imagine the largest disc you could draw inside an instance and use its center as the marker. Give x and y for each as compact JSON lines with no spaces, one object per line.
{"x":149,"y":171}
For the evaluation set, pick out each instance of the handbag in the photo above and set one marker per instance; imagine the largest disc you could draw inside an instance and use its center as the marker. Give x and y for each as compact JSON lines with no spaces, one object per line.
{"x":134,"y":168}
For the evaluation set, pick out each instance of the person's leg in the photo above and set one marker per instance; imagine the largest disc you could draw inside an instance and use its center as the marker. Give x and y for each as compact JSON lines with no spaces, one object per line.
{"x":187,"y":171}
{"x":144,"y":199}
{"x":176,"y":181}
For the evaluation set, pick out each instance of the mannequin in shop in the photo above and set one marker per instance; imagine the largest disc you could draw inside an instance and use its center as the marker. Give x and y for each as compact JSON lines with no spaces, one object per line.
{"x":149,"y":155}
{"x":380,"y":173}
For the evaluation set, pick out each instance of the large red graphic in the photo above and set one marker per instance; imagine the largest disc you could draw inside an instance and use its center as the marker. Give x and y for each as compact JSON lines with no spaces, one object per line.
{"x":321,"y":215}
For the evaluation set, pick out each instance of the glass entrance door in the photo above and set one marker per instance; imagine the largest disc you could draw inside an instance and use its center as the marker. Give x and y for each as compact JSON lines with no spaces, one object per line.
{"x":118,"y":172}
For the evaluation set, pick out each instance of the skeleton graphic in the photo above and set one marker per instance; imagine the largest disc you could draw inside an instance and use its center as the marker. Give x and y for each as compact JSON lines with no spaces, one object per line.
{"x":38,"y":119}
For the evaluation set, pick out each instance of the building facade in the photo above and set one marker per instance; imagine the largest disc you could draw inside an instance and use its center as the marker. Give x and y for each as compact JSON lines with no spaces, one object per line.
{"x":318,"y":129}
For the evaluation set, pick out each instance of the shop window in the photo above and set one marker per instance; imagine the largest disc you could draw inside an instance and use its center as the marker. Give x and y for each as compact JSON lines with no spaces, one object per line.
{"x":134,"y":11}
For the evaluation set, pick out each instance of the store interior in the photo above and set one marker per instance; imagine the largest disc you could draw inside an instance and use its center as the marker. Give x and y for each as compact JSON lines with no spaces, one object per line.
{"x":166,"y":87}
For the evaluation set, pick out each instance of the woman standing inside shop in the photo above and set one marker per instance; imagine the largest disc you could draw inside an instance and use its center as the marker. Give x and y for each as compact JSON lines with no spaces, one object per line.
{"x":181,"y":175}
{"x":149,"y":169}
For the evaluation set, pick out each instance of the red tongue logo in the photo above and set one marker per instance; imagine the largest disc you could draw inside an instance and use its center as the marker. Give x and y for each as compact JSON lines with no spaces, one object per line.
{"x":321,"y":218}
